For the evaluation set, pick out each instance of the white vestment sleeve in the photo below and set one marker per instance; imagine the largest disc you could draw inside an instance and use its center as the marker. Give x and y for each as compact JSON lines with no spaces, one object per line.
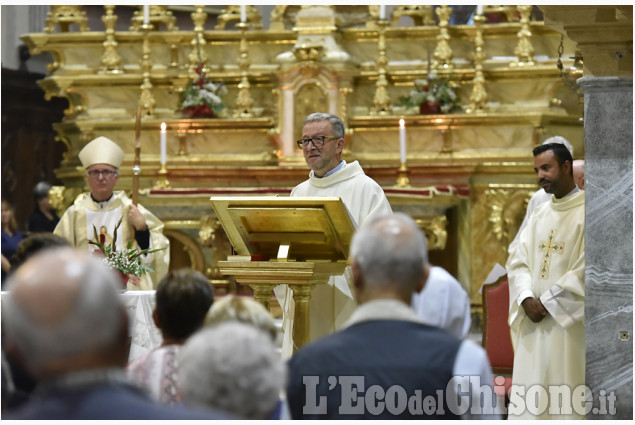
{"x":566,"y":307}
{"x":472,"y":371}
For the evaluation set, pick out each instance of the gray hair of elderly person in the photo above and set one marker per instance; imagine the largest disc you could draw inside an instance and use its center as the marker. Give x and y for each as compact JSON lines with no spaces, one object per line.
{"x":233,"y":367}
{"x":390,"y":250}
{"x":242,"y":309}
{"x":79,"y":291}
{"x":337,"y":125}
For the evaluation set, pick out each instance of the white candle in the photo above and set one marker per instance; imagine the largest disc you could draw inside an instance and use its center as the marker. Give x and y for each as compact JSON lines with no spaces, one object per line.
{"x":479,"y":9}
{"x":146,"y":14}
{"x":163,"y":144}
{"x":243,"y":13}
{"x":402,"y":139}
{"x":382,"y":11}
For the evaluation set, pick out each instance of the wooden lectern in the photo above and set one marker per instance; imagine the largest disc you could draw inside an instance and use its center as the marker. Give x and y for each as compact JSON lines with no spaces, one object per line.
{"x":299,"y":242}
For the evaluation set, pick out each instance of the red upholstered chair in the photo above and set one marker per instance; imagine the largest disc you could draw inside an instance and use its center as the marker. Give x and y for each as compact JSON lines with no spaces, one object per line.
{"x":496,"y":335}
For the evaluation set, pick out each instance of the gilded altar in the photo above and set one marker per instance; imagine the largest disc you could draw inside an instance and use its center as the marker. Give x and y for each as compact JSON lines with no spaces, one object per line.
{"x":468,"y":174}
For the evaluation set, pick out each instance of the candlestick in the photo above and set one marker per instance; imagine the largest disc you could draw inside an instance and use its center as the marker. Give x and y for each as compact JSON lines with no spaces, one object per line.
{"x":163,"y":144}
{"x":146,"y":14}
{"x":402,"y":139}
{"x":382,"y":11}
{"x":243,"y":13}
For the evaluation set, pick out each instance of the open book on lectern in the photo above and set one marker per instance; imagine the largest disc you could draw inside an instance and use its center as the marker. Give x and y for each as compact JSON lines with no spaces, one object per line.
{"x":286,"y":228}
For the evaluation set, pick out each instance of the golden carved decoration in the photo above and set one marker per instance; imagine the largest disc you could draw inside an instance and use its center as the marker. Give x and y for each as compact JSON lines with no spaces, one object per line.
{"x":308,"y":52}
{"x":61,"y":197}
{"x":507,"y":210}
{"x":207,"y":232}
{"x":232,"y":13}
{"x":110,"y":61}
{"x":421,"y":15}
{"x":524,"y":50}
{"x":193,"y":250}
{"x":157,"y":14}
{"x":443,"y":51}
{"x":276,"y":19}
{"x":435,"y":230}
{"x":64,"y":16}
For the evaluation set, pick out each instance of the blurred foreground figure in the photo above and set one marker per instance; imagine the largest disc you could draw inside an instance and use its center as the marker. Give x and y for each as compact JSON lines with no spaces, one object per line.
{"x":64,"y":318}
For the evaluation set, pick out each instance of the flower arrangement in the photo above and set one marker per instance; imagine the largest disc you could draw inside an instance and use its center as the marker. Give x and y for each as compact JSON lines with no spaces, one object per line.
{"x":202,"y":98}
{"x":432,"y":96}
{"x":127,"y":262}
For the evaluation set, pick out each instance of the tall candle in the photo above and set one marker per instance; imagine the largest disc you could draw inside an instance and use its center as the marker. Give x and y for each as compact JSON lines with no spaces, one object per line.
{"x":479,"y":9}
{"x":402,"y":139}
{"x":163,"y":144}
{"x":243,"y":13}
{"x":146,"y":14}
{"x":382,"y":11}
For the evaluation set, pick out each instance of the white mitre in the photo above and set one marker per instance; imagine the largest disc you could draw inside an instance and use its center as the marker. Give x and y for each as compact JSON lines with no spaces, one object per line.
{"x":101,"y":150}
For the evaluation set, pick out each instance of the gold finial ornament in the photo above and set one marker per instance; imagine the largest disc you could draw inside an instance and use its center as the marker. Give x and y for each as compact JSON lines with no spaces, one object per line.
{"x":443,"y":51}
{"x":524,"y":50}
{"x":110,"y":61}
{"x":381,"y":101}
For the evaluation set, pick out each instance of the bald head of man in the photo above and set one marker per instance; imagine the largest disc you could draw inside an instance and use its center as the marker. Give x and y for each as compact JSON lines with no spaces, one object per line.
{"x":578,"y":172}
{"x":64,"y":314}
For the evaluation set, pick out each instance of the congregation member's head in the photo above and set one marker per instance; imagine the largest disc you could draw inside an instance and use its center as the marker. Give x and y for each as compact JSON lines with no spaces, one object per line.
{"x":389,"y":258}
{"x":233,"y":367}
{"x":102,"y":158}
{"x":242,"y":309}
{"x":183,"y":298}
{"x":64,"y":315}
{"x":34,"y":244}
{"x":322,"y":142}
{"x":553,"y":165}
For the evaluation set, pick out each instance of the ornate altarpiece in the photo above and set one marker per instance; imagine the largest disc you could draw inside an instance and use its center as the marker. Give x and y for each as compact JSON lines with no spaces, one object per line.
{"x":468,"y":174}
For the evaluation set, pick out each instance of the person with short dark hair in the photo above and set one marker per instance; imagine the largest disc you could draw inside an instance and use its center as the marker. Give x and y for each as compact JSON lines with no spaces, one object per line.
{"x":43,"y":218}
{"x":183,"y":299}
{"x":546,"y":291}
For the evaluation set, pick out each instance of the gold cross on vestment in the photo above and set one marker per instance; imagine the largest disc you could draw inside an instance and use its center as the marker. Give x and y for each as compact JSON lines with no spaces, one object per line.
{"x":548,"y":247}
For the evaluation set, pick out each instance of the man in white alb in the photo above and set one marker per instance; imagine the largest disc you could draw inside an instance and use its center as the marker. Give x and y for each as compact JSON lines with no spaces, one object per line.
{"x":102,"y":208}
{"x":322,"y":144}
{"x":546,"y":288}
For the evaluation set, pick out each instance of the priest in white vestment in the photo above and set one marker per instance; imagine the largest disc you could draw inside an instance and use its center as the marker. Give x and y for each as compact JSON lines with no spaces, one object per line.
{"x":540,"y":196}
{"x":102,"y":208}
{"x":546,"y":286}
{"x":322,"y":144}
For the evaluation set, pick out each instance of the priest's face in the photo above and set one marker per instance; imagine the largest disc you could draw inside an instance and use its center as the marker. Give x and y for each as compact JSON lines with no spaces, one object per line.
{"x":102,"y":179}
{"x":328,"y":156}
{"x":551,"y":176}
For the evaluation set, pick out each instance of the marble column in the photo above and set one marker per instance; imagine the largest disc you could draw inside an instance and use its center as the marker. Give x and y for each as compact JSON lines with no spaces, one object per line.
{"x":608,"y":128}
